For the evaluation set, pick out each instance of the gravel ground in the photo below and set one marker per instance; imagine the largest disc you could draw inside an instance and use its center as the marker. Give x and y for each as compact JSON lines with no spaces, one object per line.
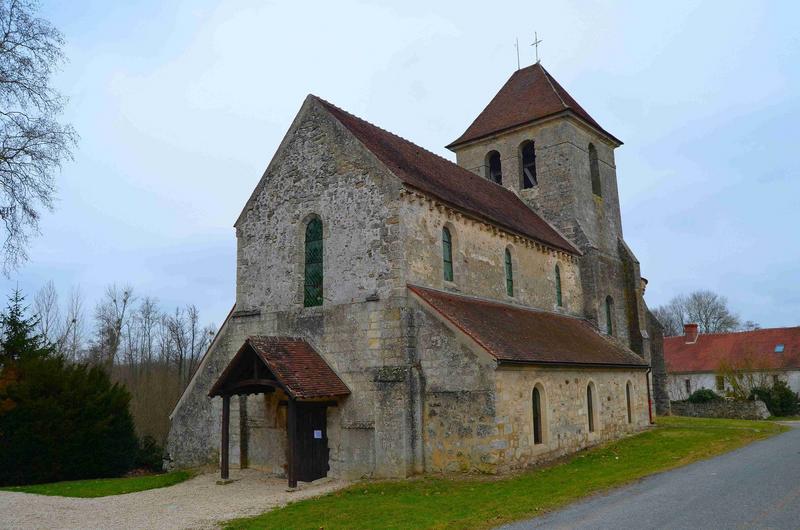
{"x":196,"y":503}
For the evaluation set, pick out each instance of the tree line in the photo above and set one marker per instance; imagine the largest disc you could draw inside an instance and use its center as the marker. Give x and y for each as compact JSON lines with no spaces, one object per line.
{"x":149,"y":349}
{"x":707,"y":309}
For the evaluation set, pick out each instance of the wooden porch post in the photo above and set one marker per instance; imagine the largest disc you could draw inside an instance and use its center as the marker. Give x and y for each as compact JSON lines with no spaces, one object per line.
{"x":226,"y":417}
{"x":291,"y":427}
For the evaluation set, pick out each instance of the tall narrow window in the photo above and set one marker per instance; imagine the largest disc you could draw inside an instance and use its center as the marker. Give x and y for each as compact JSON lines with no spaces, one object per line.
{"x":528,"y":154}
{"x":447,"y":254}
{"x":495,"y":167}
{"x":509,"y":275}
{"x":537,"y":416}
{"x":594,"y":169}
{"x":590,"y":406}
{"x":559,"y":301}
{"x":609,"y":315}
{"x":312,"y":292}
{"x":628,"y":400}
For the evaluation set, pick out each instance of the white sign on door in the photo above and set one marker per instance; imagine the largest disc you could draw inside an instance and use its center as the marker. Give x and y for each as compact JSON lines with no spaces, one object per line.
{"x":318,"y":435}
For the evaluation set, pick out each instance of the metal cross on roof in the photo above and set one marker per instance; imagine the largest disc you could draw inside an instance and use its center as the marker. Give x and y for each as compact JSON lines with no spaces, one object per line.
{"x":535,"y":44}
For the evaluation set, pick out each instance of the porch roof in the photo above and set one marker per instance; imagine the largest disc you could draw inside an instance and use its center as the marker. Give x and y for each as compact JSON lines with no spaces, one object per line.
{"x":291,"y":365}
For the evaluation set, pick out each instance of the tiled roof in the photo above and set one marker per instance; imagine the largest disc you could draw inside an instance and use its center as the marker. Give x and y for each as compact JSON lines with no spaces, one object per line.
{"x":437,"y":176}
{"x":530,"y":94}
{"x":515,"y":334}
{"x":299,"y":369}
{"x":753,"y":348}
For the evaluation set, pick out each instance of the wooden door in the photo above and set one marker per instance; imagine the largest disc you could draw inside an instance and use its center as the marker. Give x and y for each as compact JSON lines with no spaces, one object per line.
{"x":312,"y":442}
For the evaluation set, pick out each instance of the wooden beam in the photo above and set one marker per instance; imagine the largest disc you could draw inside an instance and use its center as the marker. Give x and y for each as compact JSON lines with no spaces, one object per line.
{"x":291,"y":432}
{"x":226,"y":418}
{"x":245,"y":383}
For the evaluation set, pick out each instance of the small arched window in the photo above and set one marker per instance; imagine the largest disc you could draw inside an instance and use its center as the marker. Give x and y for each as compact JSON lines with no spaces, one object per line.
{"x":609,"y":315}
{"x":628,"y":401}
{"x":447,"y":254}
{"x":528,"y":155}
{"x":559,"y":301}
{"x":590,"y":406}
{"x":594,"y":169}
{"x":495,"y":167}
{"x":537,"y":416}
{"x":509,"y":274}
{"x":312,"y":289}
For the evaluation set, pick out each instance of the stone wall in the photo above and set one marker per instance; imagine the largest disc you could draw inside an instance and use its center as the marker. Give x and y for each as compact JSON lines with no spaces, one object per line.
{"x":565,"y":418}
{"x":478,"y":259}
{"x":739,"y":410}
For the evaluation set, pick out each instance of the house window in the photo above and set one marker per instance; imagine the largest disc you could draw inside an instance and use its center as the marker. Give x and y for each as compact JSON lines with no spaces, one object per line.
{"x":528,"y":155}
{"x":688,"y":383}
{"x":720,"y":383}
{"x":779,"y":348}
{"x":509,"y":274}
{"x":537,"y":416}
{"x":609,"y":315}
{"x":559,"y":302}
{"x":495,"y":167}
{"x":312,"y":290}
{"x":590,"y":406}
{"x":628,"y":401}
{"x":594,"y":169}
{"x":447,"y":254}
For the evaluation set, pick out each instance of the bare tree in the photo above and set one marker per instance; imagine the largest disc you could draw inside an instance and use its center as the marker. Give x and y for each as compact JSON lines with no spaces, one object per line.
{"x":33,"y":144}
{"x":112,"y":314}
{"x":705,"y":308}
{"x":48,"y":312}
{"x":72,"y":341}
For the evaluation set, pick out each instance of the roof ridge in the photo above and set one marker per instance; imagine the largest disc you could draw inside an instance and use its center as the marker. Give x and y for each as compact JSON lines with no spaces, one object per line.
{"x":739,"y":332}
{"x":550,"y":82}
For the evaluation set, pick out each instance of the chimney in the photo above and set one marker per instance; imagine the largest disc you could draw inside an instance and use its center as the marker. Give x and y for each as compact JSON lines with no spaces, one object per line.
{"x":690,"y":332}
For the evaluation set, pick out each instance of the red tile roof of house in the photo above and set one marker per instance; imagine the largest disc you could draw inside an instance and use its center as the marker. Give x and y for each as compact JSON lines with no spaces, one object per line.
{"x":530,"y":94}
{"x":452,"y":184}
{"x":518,"y":335}
{"x":300,"y":370}
{"x":747,"y":348}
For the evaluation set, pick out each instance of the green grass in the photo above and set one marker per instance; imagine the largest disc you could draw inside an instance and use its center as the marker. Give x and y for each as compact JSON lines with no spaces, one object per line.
{"x":784,"y":418}
{"x":103,"y":487}
{"x":484,"y":503}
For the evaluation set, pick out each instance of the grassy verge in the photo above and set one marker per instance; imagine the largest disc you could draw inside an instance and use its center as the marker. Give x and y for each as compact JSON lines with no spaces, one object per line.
{"x":485,"y":503}
{"x":103,"y":487}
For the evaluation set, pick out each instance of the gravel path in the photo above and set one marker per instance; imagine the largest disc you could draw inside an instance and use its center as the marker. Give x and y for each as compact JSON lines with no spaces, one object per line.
{"x":196,"y":503}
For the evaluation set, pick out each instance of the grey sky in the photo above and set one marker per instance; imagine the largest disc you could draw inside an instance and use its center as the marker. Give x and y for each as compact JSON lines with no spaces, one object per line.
{"x":181,"y":105}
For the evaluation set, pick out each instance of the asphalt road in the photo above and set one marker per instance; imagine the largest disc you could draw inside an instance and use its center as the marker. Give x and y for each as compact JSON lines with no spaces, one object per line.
{"x":757,"y":486}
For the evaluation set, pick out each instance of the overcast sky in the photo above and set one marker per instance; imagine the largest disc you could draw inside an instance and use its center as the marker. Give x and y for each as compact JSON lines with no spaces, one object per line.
{"x":181,"y":105}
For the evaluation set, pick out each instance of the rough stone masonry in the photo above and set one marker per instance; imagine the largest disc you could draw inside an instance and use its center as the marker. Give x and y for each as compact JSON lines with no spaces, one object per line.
{"x":538,"y":345}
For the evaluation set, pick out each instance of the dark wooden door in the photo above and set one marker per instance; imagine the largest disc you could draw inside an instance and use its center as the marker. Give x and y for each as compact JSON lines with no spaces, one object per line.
{"x":312,"y":442}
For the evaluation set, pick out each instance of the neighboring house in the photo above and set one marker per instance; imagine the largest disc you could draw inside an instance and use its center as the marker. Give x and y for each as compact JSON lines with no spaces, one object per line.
{"x":397,"y":313}
{"x":697,"y":360}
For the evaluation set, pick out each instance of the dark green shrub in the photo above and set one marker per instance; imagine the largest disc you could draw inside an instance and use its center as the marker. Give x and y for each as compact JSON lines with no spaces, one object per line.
{"x":704,"y":395}
{"x":149,"y":455}
{"x":58,"y":421}
{"x":780,"y":399}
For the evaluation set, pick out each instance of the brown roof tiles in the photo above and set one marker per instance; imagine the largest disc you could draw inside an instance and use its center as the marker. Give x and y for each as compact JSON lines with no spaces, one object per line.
{"x":437,"y":176}
{"x":514,"y":334}
{"x":530,"y":94}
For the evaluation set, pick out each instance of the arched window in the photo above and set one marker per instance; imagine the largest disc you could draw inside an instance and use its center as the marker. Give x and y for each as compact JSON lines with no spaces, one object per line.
{"x":509,"y":274}
{"x":495,"y":167}
{"x":537,"y":416}
{"x":447,"y":254}
{"x":528,"y":155}
{"x":312,"y":291}
{"x":590,"y":406}
{"x":609,"y":315}
{"x":559,"y":301}
{"x":628,"y":401}
{"x":594,"y":169}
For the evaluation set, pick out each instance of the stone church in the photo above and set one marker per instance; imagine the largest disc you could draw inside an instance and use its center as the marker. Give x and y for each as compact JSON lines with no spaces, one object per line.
{"x":397,"y":313}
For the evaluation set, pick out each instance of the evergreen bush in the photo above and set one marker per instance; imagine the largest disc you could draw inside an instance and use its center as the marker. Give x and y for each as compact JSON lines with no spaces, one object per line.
{"x":704,"y":395}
